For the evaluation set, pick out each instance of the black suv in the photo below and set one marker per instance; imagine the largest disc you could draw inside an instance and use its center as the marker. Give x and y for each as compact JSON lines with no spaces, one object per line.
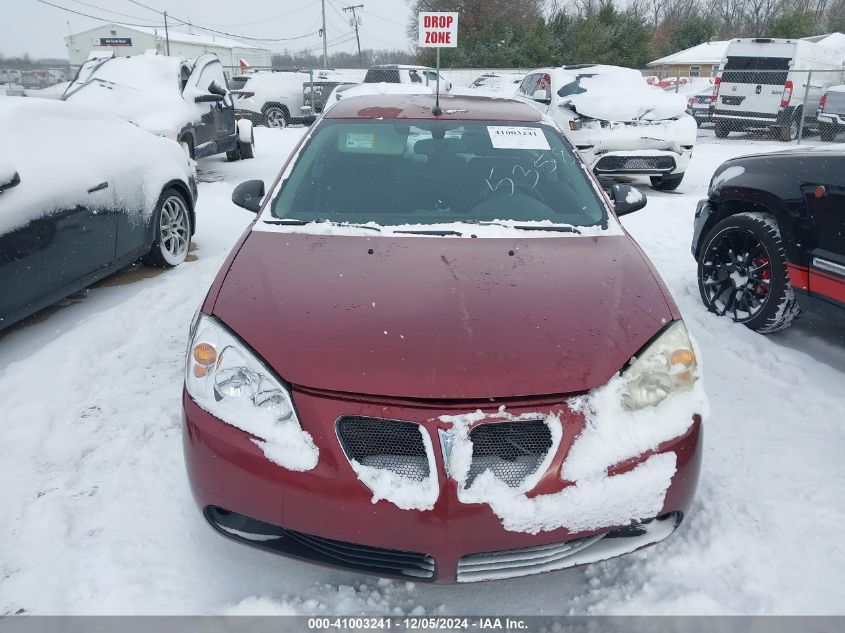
{"x":770,"y":237}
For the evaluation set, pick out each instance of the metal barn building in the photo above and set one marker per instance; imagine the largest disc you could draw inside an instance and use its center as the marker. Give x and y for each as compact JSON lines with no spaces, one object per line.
{"x":125,"y":40}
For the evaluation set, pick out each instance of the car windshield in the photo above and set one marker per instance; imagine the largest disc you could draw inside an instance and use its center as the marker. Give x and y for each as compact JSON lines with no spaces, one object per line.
{"x":431,"y":172}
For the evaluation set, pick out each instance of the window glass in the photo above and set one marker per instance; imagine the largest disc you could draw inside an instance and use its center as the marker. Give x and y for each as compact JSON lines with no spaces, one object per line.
{"x":431,"y":172}
{"x":212,"y":72}
{"x":529,"y":84}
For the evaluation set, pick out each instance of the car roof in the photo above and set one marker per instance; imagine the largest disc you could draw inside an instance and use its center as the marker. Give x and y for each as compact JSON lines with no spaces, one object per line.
{"x":400,"y":67}
{"x":420,"y":106}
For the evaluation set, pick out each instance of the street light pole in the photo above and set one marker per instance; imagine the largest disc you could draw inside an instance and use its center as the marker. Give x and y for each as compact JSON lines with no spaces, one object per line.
{"x":355,"y":24}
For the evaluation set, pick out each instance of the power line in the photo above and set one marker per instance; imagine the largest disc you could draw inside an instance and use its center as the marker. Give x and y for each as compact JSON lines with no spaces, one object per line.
{"x":125,"y":15}
{"x":93,"y":17}
{"x":226,"y":33}
{"x":374,"y":15}
{"x":273,"y":19}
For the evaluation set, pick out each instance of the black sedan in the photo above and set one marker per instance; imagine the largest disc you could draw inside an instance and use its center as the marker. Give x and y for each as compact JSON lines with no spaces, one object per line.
{"x":83,"y":195}
{"x":770,"y":237}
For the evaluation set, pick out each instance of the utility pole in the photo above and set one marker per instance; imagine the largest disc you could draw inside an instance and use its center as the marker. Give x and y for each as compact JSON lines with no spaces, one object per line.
{"x":166,"y":34}
{"x":355,"y":22}
{"x":325,"y":47}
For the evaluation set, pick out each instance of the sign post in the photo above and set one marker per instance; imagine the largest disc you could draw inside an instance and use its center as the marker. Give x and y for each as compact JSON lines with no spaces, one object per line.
{"x":438,"y":30}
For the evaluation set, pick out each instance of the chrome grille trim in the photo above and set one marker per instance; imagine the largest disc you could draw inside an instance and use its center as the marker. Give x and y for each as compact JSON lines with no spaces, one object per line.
{"x":519,"y":562}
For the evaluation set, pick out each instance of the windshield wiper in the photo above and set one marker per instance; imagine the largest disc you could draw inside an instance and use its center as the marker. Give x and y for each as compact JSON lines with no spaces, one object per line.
{"x":294,"y":222}
{"x":559,"y":228}
{"x":444,"y":232}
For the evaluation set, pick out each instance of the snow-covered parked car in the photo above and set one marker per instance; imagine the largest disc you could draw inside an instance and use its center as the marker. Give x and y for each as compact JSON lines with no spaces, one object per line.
{"x":271,"y":98}
{"x":831,"y":113}
{"x":405,"y":74}
{"x":187,"y":101}
{"x":440,"y":387}
{"x":345,"y":91}
{"x":498,"y":83}
{"x":83,"y":194}
{"x":620,"y":124}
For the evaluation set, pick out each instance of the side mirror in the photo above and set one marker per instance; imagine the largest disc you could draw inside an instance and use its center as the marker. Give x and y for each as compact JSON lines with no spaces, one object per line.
{"x":248,"y":195}
{"x":627,"y":199}
{"x":9,"y":182}
{"x":541,"y":95}
{"x":210,"y":98}
{"x":216,"y":89}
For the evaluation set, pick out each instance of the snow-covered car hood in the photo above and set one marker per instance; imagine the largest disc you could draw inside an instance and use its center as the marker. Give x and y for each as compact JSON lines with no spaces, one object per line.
{"x":61,"y":151}
{"x":441,"y":318}
{"x":623,"y":95}
{"x":142,"y":90}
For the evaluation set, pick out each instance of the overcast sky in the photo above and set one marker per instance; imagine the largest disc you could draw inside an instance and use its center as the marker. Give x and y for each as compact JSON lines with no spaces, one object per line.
{"x":29,"y":26}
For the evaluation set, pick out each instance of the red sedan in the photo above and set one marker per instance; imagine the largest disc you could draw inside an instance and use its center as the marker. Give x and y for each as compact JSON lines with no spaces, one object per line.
{"x":436,"y":355}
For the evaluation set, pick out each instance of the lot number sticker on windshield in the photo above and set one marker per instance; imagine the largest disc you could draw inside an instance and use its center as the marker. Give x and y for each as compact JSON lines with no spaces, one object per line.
{"x":510,"y":137}
{"x":360,"y":141}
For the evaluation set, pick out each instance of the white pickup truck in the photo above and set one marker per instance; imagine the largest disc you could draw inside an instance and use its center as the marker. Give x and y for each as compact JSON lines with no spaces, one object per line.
{"x":403,"y":74}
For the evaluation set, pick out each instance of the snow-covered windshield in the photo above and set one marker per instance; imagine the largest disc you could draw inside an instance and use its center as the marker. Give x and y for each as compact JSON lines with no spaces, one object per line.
{"x":433,"y":172}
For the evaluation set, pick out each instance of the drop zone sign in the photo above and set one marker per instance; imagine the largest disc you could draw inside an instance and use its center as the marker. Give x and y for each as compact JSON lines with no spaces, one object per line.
{"x":438,"y":30}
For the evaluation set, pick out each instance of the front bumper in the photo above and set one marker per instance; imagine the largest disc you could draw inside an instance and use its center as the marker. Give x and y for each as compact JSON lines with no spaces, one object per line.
{"x":703,"y":211}
{"x":637,"y":163}
{"x":326,"y":515}
{"x":831,"y":119}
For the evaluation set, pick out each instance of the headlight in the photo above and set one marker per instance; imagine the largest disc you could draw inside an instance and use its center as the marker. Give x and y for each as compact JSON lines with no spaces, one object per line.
{"x":667,"y":365}
{"x":221,"y":373}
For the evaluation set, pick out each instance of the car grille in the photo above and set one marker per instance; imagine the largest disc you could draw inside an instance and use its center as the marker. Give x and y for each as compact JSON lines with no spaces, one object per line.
{"x":636,"y":164}
{"x":387,"y":444}
{"x":367,"y":558}
{"x":511,"y":450}
{"x":520,"y":562}
{"x":363,"y":558}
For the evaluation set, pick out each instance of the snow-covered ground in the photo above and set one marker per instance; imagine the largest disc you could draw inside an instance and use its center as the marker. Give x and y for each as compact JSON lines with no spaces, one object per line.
{"x":98,"y":518}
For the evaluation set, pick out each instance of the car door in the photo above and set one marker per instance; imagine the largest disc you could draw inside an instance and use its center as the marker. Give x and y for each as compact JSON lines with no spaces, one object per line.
{"x":215,"y":132}
{"x":824,"y":193}
{"x":52,"y":255}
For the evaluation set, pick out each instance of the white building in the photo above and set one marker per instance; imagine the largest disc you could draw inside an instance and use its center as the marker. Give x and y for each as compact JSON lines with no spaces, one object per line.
{"x":135,"y":40}
{"x":698,"y":61}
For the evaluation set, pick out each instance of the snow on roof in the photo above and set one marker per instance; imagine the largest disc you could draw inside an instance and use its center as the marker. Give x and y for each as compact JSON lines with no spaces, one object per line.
{"x":829,"y":40}
{"x":205,"y":39}
{"x":706,"y":53}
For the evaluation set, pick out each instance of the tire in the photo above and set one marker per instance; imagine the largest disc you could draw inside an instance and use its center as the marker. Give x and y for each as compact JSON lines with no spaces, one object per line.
{"x":742,"y":273}
{"x":276,"y":116}
{"x":666,"y":183}
{"x":827,"y":132}
{"x":790,"y":132}
{"x":172,"y":220}
{"x":722,"y":129}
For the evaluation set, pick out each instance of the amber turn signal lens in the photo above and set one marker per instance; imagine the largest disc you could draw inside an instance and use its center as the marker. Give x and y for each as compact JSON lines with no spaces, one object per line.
{"x":205,"y":354}
{"x":200,"y":371}
{"x":683,"y":357}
